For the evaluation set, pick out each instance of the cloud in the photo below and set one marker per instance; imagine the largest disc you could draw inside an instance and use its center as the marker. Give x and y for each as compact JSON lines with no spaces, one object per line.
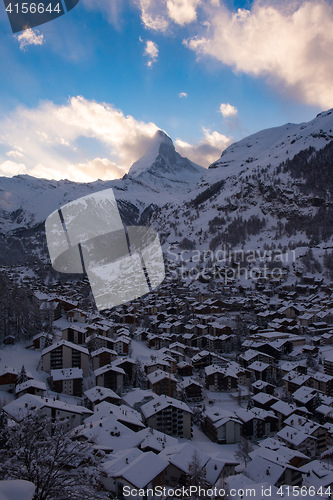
{"x":154,"y":15}
{"x":15,"y":154}
{"x":182,"y":94}
{"x":228,"y":111}
{"x":151,"y":51}
{"x":291,"y":46}
{"x":207,"y":150}
{"x":29,"y":37}
{"x":9,"y":168}
{"x":158,"y":15}
{"x":182,"y":11}
{"x":81,"y":140}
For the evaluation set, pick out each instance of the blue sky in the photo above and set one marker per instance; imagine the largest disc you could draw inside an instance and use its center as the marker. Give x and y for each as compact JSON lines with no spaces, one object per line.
{"x":83,"y":95}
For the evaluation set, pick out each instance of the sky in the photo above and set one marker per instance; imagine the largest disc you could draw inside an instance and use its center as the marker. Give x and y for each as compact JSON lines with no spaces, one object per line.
{"x":82,"y":96}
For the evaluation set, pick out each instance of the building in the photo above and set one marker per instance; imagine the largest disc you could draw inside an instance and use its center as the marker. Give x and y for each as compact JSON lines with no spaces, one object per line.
{"x":111,"y":377}
{"x":162,"y":382}
{"x":31,"y":387}
{"x":64,"y":354}
{"x":67,"y":381}
{"x":222,"y":426}
{"x":98,"y":394}
{"x":168,"y":415}
{"x":102,"y":357}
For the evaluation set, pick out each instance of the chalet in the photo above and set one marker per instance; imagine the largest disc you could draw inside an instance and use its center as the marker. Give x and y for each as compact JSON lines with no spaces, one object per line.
{"x":192,"y":389}
{"x":294,"y":381}
{"x":31,"y":387}
{"x":96,"y":341}
{"x":41,"y":340}
{"x":168,"y":415}
{"x":262,"y":386}
{"x":121,"y":345}
{"x":76,"y":315}
{"x":156,"y":364}
{"x":132,"y":471}
{"x":67,"y":381}
{"x":323,"y":383}
{"x":263,"y":470}
{"x":184,"y":369}
{"x":162,"y":382}
{"x":222,"y":426}
{"x":72,"y":415}
{"x":64,"y":354}
{"x":127,"y":364}
{"x":298,"y":440}
{"x":98,"y":394}
{"x":261,"y":371}
{"x":179,"y":457}
{"x":75,"y":333}
{"x":111,"y":377}
{"x":124,"y":415}
{"x":220,"y":379}
{"x":102,"y":357}
{"x":8,"y":377}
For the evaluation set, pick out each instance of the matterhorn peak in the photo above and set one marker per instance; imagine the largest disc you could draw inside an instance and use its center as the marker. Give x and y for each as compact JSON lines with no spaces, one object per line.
{"x":163,"y":167}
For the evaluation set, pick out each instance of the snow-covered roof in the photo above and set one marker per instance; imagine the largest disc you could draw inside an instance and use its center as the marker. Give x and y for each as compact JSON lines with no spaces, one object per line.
{"x":106,"y":368}
{"x":119,"y":460}
{"x":260,"y":469}
{"x":36,"y":384}
{"x":143,"y":469}
{"x":108,"y":433}
{"x":181,"y":456}
{"x":103,"y":350}
{"x":66,"y":344}
{"x":156,"y":440}
{"x":19,"y":408}
{"x":159,"y":375}
{"x":99,"y":393}
{"x":122,"y":413}
{"x":138,"y":395}
{"x":293,"y":436}
{"x":160,"y":403}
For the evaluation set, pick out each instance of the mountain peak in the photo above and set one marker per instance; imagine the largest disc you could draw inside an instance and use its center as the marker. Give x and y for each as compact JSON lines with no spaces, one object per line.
{"x":163,"y":167}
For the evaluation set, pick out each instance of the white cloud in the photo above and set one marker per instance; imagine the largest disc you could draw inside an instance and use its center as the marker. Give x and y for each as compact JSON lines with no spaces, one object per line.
{"x":154,"y":15}
{"x":158,"y":15}
{"x":15,"y":154}
{"x":227,"y":110}
{"x":291,"y":45}
{"x":62,"y":141}
{"x":182,"y":94}
{"x":207,"y":150}
{"x":29,"y":37}
{"x":151,"y":51}
{"x":10,"y":168}
{"x":182,"y":11}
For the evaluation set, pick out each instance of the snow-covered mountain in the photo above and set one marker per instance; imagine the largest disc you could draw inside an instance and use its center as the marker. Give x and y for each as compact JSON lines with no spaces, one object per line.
{"x":164,"y":168}
{"x":263,"y":189}
{"x":267,"y":189}
{"x":160,"y":176}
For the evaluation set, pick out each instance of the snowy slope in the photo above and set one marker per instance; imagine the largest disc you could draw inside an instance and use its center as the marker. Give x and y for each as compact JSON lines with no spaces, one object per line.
{"x":272,"y":146}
